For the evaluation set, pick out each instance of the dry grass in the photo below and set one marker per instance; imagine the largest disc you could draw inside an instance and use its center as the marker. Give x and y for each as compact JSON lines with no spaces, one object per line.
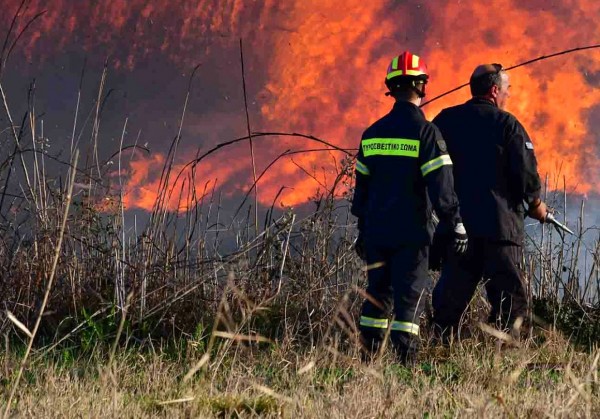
{"x":471,"y":379}
{"x":159,"y":320}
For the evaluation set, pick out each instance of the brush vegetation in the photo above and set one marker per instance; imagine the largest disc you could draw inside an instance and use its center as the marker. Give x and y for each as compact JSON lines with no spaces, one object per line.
{"x":103,"y":317}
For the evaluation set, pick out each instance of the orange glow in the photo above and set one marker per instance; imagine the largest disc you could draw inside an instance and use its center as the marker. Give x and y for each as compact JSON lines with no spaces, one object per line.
{"x":325,"y":63}
{"x":551,"y":98}
{"x":144,"y":180}
{"x":331,"y":77}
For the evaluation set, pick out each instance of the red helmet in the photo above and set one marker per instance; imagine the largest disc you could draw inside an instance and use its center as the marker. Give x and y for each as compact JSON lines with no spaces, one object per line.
{"x":407,"y":64}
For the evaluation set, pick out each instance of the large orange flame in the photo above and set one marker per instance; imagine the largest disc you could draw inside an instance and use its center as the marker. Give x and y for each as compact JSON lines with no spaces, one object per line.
{"x":324,"y":64}
{"x":330,"y":78}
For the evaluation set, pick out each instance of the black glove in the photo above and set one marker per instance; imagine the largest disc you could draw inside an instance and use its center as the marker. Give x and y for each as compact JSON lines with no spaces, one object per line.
{"x":460,"y":239}
{"x":359,"y":246}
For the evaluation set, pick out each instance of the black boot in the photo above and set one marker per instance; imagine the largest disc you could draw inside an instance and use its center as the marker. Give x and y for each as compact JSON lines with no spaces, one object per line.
{"x":405,"y":347}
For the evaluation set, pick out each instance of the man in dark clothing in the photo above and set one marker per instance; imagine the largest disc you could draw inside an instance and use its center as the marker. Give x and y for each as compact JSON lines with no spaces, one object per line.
{"x":497,"y":183}
{"x":402,"y":167}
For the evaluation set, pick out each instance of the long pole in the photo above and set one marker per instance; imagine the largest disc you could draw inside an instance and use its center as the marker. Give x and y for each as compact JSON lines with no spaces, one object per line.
{"x":524,"y":63}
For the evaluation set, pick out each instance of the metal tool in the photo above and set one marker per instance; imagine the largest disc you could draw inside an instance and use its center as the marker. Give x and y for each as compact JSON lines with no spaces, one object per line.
{"x":560,"y":227}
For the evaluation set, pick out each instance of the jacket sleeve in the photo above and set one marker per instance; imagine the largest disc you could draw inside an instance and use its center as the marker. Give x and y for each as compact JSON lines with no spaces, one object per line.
{"x":439,"y":121}
{"x":522,"y":162}
{"x":436,"y":169}
{"x":361,"y":188}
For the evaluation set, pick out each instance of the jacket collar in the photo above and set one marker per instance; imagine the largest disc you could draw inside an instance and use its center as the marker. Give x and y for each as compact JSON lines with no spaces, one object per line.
{"x":405,"y":105}
{"x":481,"y":101}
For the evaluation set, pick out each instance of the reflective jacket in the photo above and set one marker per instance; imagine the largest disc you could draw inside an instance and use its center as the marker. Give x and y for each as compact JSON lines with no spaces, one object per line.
{"x":402,"y":168}
{"x":495,"y":169}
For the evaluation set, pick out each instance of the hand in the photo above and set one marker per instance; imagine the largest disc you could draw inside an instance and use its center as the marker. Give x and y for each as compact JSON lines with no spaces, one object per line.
{"x":360,"y":248}
{"x":538,"y":210}
{"x":461,"y":241}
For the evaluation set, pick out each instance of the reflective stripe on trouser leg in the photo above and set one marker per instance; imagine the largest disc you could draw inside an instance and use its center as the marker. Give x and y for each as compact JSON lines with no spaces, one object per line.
{"x":366,"y":321}
{"x":405,"y":327}
{"x":410,"y":280}
{"x":376,"y":308}
{"x":379,"y":301}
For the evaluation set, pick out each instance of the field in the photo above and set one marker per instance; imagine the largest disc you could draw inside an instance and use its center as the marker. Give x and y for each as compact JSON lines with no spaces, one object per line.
{"x":472,"y":379}
{"x":100,"y":322}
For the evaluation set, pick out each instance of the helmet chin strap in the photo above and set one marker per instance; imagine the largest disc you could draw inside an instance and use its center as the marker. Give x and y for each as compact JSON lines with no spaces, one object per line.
{"x":420,"y":93}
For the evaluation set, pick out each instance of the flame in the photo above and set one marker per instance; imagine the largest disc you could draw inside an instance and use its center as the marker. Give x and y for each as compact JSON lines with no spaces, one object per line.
{"x":552,"y":98}
{"x":336,"y":89}
{"x":145,"y":182}
{"x":324,"y":65}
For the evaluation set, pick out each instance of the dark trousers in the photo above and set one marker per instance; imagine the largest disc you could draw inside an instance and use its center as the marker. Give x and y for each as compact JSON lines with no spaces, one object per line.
{"x":398,"y":279}
{"x":495,"y":262}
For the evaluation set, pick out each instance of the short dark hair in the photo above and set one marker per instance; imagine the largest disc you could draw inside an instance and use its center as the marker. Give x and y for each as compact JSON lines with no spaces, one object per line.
{"x":404,"y":88}
{"x":481,"y":84}
{"x":403,"y":92}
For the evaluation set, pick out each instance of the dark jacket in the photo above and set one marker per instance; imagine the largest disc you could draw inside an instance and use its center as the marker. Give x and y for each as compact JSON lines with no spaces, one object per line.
{"x":402,"y":167}
{"x":495,"y":169}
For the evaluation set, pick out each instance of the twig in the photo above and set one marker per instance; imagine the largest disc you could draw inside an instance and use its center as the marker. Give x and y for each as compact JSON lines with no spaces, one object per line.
{"x":10,"y":29}
{"x":27,"y":25}
{"x":48,"y":286}
{"x":77,"y":106}
{"x":249,"y":139}
{"x":96,"y":127}
{"x":4,"y":57}
{"x":15,"y":137}
{"x":113,"y":349}
{"x":256,"y":135}
{"x":285,"y":250}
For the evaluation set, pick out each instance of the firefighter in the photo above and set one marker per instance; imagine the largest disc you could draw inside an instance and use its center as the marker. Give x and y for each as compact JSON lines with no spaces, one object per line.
{"x":497,"y":183}
{"x":402,"y":168}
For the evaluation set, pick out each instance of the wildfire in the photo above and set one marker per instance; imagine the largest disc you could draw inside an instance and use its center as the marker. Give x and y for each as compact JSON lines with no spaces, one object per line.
{"x":324,"y":67}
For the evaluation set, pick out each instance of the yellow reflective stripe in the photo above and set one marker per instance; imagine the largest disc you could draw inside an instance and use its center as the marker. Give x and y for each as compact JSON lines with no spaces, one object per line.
{"x":404,"y":73}
{"x":415,"y":61}
{"x":375,"y":265}
{"x":362,"y":168}
{"x":373,"y":322}
{"x":435,"y":164}
{"x":395,"y":63}
{"x":405,"y":327}
{"x":391,"y":147}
